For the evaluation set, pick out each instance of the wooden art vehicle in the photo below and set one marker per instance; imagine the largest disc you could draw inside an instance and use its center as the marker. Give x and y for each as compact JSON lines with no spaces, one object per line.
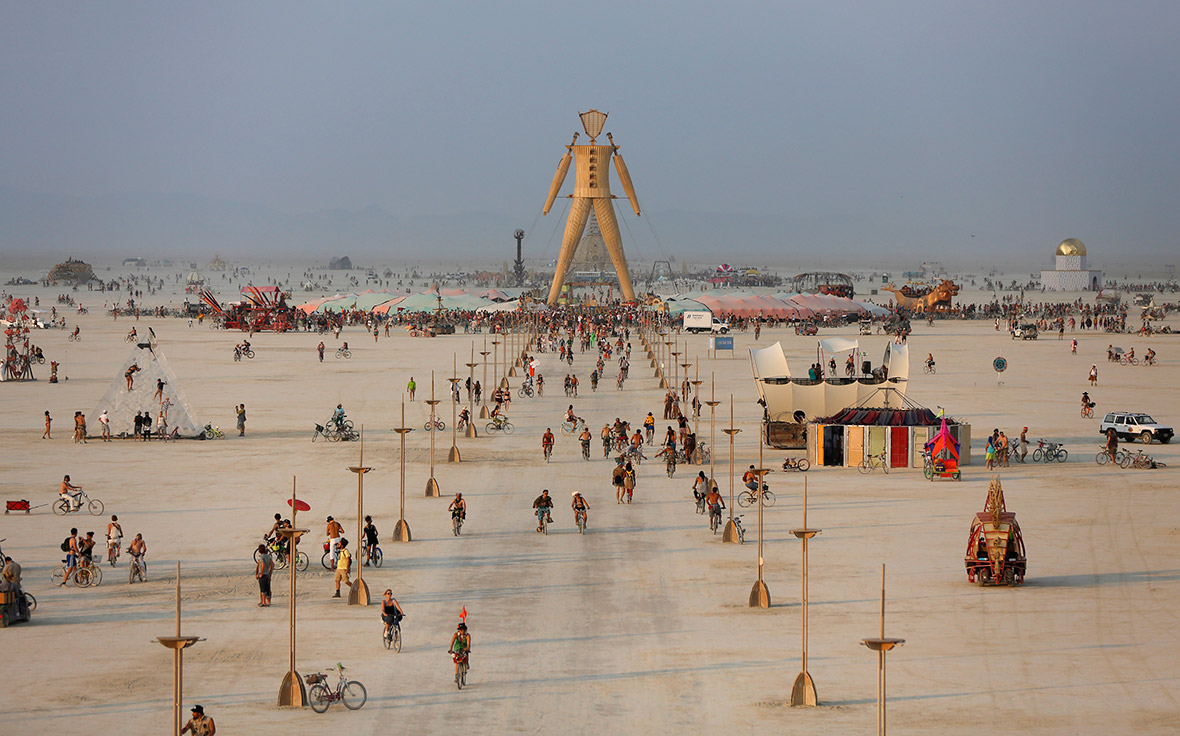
{"x":995,"y":547}
{"x":940,"y":456}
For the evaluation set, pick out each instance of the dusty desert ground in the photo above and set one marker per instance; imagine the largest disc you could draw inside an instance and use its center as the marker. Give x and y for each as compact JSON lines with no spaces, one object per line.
{"x":640,"y":625}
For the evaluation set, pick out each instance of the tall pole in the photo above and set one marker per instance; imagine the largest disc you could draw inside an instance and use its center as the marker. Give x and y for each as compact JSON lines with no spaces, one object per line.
{"x":401,"y":532}
{"x":177,"y":644}
{"x":432,"y":490}
{"x":470,"y":431}
{"x":496,"y":361}
{"x":358,"y":595}
{"x":731,"y":533}
{"x":803,"y":693}
{"x":712,"y":402}
{"x":881,"y":645}
{"x":511,"y":353}
{"x":292,"y":693}
{"x":483,"y":396}
{"x":696,"y":392}
{"x":454,"y":456}
{"x":759,"y":594}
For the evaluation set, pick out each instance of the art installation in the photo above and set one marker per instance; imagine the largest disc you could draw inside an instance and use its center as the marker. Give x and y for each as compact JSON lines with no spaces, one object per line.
{"x":592,"y":192}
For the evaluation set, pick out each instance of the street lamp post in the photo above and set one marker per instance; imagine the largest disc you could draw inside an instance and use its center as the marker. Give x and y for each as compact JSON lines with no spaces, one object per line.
{"x":731,"y":532}
{"x":454,"y":456}
{"x":177,"y":644}
{"x":401,"y":532}
{"x":881,"y":645}
{"x":358,"y":595}
{"x":760,"y":594}
{"x":432,"y":490}
{"x":483,"y":395}
{"x":712,"y":402}
{"x":292,"y":693}
{"x":470,"y":431}
{"x":803,"y":693}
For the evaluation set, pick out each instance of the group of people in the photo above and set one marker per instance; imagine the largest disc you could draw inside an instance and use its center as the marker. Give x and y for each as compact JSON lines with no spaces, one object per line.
{"x":80,"y":549}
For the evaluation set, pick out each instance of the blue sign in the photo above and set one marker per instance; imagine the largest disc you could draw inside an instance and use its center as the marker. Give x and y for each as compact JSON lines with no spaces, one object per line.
{"x":723,"y":343}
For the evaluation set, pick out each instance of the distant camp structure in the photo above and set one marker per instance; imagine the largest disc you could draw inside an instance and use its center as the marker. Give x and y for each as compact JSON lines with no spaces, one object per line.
{"x":1070,"y":272}
{"x":195,"y":278}
{"x":147,"y":365}
{"x":72,"y":272}
{"x":341,"y":263}
{"x":824,"y":282}
{"x":264,"y":309}
{"x":923,"y":297}
{"x":217,"y":264}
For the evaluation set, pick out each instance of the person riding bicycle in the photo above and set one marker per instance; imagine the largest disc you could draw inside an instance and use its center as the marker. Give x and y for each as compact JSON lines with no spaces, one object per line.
{"x":1149,"y":357}
{"x":700,"y":486}
{"x":464,"y":417}
{"x":750,"y":478}
{"x":585,"y":438}
{"x":391,"y":612}
{"x":460,"y":649}
{"x":649,"y":427}
{"x":371,"y":540}
{"x":930,"y":360}
{"x":579,"y":505}
{"x":1086,"y":402}
{"x":114,"y":534}
{"x":71,"y":493}
{"x":547,"y":442}
{"x":458,"y":507}
{"x":714,"y":502}
{"x":543,"y":506}
{"x":344,"y":347}
{"x":131,"y":335}
{"x":1130,"y":355}
{"x":77,"y":330}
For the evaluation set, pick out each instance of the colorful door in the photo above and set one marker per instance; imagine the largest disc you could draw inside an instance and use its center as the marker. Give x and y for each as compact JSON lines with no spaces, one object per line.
{"x":833,"y":445}
{"x":899,"y":447}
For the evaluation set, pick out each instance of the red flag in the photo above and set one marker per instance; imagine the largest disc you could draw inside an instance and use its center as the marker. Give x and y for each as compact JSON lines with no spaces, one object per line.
{"x":463,"y":614}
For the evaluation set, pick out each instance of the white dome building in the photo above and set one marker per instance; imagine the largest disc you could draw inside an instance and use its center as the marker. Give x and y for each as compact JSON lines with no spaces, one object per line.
{"x":1071,"y":273}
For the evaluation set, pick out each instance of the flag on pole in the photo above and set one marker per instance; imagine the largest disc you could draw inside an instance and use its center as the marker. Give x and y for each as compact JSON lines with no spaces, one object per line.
{"x":463,"y":614}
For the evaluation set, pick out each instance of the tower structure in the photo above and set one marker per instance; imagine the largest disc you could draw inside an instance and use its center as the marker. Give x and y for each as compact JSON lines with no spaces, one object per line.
{"x":592,"y":192}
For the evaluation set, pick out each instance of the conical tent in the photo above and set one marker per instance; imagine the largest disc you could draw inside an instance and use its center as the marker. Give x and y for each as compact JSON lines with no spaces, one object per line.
{"x":121,"y":404}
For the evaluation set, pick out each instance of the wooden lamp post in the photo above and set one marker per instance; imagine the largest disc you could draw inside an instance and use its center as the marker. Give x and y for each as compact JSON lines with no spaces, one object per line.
{"x":696,"y":390}
{"x":495,"y":361}
{"x":731,"y":533}
{"x":401,"y":532}
{"x":432,"y":490}
{"x":454,"y":455}
{"x":512,"y":353}
{"x":712,"y":402}
{"x":881,"y":645}
{"x":660,"y":372}
{"x":483,"y":396}
{"x":470,"y":431}
{"x":803,"y":693}
{"x":292,"y":693}
{"x":177,"y":644}
{"x":358,"y":595}
{"x":675,"y":370}
{"x":759,"y":594}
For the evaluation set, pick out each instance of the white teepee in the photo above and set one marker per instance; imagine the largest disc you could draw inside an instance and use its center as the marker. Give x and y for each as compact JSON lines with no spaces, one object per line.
{"x":121,"y":404}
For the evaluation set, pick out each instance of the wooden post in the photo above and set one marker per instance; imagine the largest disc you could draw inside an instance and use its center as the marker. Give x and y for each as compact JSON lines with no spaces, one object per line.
{"x":881,"y":645}
{"x":292,"y":693}
{"x":731,"y":533}
{"x":803,"y":693}
{"x":432,"y":490}
{"x":358,"y":594}
{"x":401,"y":532}
{"x":177,"y":644}
{"x":483,"y":396}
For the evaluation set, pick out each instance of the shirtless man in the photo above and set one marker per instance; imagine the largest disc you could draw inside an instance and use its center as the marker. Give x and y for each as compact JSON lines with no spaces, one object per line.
{"x":334,"y":532}
{"x":714,"y":503}
{"x":114,"y":537}
{"x":138,"y":550}
{"x":69,"y":491}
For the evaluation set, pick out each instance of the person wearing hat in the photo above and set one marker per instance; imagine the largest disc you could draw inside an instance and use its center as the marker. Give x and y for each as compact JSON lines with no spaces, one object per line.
{"x":200,"y":724}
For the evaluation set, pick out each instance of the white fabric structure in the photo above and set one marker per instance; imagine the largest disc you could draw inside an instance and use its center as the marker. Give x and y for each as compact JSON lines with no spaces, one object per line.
{"x":121,"y":404}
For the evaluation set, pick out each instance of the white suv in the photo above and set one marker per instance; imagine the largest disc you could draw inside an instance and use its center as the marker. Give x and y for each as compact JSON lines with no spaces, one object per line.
{"x":1136,"y":425}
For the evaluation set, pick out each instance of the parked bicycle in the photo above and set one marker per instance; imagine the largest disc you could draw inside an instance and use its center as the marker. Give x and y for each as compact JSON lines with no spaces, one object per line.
{"x":213,"y":432}
{"x":799,"y":464}
{"x":437,"y":424}
{"x":63,"y":506}
{"x":1103,"y":457}
{"x":349,"y":692}
{"x":741,"y":530}
{"x":872,"y":462}
{"x":1048,"y":452}
{"x":1141,"y":461}
{"x":278,"y":550}
{"x":85,"y":574}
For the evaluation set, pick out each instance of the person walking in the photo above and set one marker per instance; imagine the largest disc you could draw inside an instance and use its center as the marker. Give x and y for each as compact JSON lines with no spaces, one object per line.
{"x":241,"y":410}
{"x":200,"y":724}
{"x":334,"y":532}
{"x":320,"y":349}
{"x":48,"y":424}
{"x":343,"y":566}
{"x":410,"y":387}
{"x":262,"y":571}
{"x":104,"y":422}
{"x":1094,"y":374}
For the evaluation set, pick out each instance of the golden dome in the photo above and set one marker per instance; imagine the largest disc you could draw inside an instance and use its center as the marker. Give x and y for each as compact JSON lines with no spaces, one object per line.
{"x":1071,"y":247}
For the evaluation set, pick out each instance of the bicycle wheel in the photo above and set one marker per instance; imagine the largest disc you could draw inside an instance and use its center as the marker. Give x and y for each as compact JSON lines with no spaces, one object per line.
{"x":31,"y":602}
{"x":491,"y":427}
{"x":377,"y":557}
{"x":131,"y":573}
{"x":566,"y":428}
{"x":455,"y":524}
{"x":319,"y":697}
{"x":61,"y":507}
{"x":82,"y":578}
{"x":509,"y":428}
{"x":333,"y":436}
{"x":94,"y":507}
{"x":1125,"y":461}
{"x":326,"y":560}
{"x":864,"y":467}
{"x":314,"y":435}
{"x":397,"y":638}
{"x":768,"y":498}
{"x":1062,"y":455}
{"x":1038,"y":455}
{"x":58,"y":576}
{"x":714,"y":522}
{"x":301,"y":561}
{"x":746,"y":499}
{"x":884,"y":467}
{"x":354,"y":695}
{"x":1102,"y":458}
{"x":95,"y":575}
{"x":347,"y":354}
{"x":440,"y":425}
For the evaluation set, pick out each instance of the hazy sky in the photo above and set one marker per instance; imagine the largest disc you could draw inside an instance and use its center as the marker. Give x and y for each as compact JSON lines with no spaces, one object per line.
{"x":852,"y":126}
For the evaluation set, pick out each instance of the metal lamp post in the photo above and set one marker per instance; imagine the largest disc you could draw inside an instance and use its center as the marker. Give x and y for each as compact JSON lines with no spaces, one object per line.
{"x":358,"y":595}
{"x":432,"y":490}
{"x":292,"y":693}
{"x":731,"y":533}
{"x":881,"y":645}
{"x":177,"y":644}
{"x":401,"y":532}
{"x":803,"y":693}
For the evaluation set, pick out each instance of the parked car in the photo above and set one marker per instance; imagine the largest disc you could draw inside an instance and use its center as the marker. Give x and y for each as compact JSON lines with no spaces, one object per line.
{"x":1136,"y":425}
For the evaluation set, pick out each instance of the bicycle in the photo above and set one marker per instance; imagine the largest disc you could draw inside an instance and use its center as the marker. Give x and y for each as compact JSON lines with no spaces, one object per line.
{"x":63,"y":506}
{"x":635,"y":455}
{"x":461,"y":670}
{"x":715,"y":518}
{"x":215,"y":433}
{"x":872,"y":462}
{"x":349,"y":692}
{"x":543,"y":521}
{"x":1103,"y":457}
{"x":342,"y":353}
{"x":670,"y":465}
{"x":929,"y":368}
{"x":568,"y":428}
{"x":392,"y":637}
{"x":749,"y":497}
{"x":799,"y":464}
{"x":112,"y":553}
{"x":437,"y":424}
{"x":500,"y":425}
{"x":372,"y":555}
{"x":585,"y":449}
{"x":547,"y":451}
{"x":457,"y":524}
{"x":1141,"y":461}
{"x":279,"y":551}
{"x":81,"y":577}
{"x":1088,"y":411}
{"x":1128,"y":360}
{"x":580,"y":520}
{"x":525,"y":391}
{"x":74,"y":338}
{"x":130,"y":338}
{"x":138,"y":570}
{"x":741,"y":530}
{"x":1049,"y":451}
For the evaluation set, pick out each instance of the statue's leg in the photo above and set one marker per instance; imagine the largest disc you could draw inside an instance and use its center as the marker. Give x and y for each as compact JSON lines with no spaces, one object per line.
{"x":605,"y":212}
{"x":579,"y":211}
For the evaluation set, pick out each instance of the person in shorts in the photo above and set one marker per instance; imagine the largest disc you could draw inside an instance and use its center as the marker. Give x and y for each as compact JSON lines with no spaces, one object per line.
{"x":391,"y":611}
{"x":343,"y":565}
{"x":262,"y":571}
